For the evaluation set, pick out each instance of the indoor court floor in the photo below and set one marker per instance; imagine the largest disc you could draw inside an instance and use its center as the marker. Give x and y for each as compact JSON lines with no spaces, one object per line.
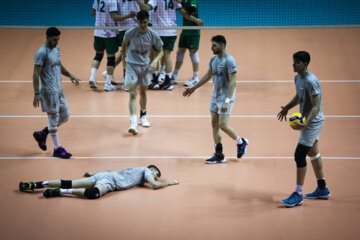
{"x":236,"y":200}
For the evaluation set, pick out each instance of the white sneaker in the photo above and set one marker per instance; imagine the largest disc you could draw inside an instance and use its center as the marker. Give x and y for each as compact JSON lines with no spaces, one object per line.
{"x":174,"y":79}
{"x":110,"y":87}
{"x":191,"y":82}
{"x":161,"y":78}
{"x":144,"y":122}
{"x":104,"y":74}
{"x":92,"y":83}
{"x":125,"y":88}
{"x":133,"y":128}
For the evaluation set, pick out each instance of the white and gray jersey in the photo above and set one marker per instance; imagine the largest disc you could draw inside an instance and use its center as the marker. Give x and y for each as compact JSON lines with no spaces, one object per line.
{"x":140,"y":45}
{"x":164,"y":16}
{"x":132,"y":177}
{"x":221,"y":68}
{"x":50,"y":75}
{"x":103,"y":9}
{"x":306,"y":87}
{"x":125,"y":7}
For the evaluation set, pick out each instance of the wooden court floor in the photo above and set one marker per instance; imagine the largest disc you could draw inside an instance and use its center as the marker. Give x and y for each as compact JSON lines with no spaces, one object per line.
{"x":236,"y":200}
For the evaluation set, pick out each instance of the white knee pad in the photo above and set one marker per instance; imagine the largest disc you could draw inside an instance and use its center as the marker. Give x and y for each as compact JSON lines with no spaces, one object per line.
{"x":194,"y":57}
{"x":312,"y":158}
{"x":63,"y":117}
{"x":180,"y":56}
{"x":53,"y":120}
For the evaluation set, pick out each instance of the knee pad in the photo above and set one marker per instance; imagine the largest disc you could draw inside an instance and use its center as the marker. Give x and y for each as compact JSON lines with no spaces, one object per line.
{"x":63,"y":117}
{"x":66,"y":184}
{"x":98,"y":56}
{"x":92,"y":193}
{"x":53,"y":121}
{"x":111,"y":61}
{"x":312,"y":158}
{"x":300,"y":155}
{"x":194,"y":57}
{"x":180,"y":56}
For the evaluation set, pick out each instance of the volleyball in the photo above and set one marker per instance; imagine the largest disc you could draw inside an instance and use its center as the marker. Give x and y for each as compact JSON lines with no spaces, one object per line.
{"x":296,"y":117}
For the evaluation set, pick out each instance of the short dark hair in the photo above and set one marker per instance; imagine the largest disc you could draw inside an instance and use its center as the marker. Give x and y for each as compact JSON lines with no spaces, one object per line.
{"x":142,"y":15}
{"x":302,"y":56}
{"x":219,"y":39}
{"x":52,"y":31}
{"x":156,"y":168}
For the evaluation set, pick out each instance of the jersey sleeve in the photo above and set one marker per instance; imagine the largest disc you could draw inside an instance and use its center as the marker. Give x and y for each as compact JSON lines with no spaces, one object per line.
{"x":113,"y":7}
{"x":177,"y":5}
{"x":231,"y":65}
{"x":94,"y":6}
{"x":210,"y":63}
{"x":128,"y":34}
{"x":313,"y":87}
{"x":152,"y":3}
{"x":40,"y":57}
{"x":157,"y":40}
{"x":147,"y":173}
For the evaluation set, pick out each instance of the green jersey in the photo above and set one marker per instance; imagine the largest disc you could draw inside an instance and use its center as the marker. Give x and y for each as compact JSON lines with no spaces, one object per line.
{"x":192,"y":3}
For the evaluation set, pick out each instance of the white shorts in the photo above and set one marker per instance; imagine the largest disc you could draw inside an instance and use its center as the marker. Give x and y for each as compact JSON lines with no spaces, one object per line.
{"x":309,"y":135}
{"x":216,"y":107}
{"x":105,"y":179}
{"x":137,"y":74}
{"x":54,"y":102}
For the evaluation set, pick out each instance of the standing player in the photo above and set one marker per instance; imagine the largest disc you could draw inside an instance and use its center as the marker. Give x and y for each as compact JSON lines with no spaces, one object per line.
{"x":165,"y":16}
{"x":96,"y":185}
{"x":140,"y":40}
{"x":49,"y":68}
{"x":106,"y":13}
{"x":222,"y":68}
{"x":189,"y":39}
{"x":308,"y":96}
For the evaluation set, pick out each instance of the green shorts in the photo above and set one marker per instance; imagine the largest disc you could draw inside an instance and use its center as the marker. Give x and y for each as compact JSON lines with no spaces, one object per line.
{"x":110,"y":44}
{"x":120,"y":37}
{"x":169,"y":42}
{"x":189,"y":42}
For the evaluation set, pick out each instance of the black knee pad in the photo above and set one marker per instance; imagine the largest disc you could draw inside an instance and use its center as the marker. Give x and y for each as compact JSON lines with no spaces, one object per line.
{"x":300,"y":155}
{"x":66,"y":184}
{"x":111,"y":61}
{"x":92,"y":193}
{"x":98,"y":56}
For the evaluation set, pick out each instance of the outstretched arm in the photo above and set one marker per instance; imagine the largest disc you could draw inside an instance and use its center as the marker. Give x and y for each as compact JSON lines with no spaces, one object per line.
{"x":189,"y":17}
{"x":116,"y":17}
{"x":202,"y":81}
{"x":144,"y":6}
{"x":154,"y":184}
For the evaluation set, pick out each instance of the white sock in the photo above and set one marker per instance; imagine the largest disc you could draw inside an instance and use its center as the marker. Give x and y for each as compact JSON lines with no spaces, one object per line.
{"x":196,"y":75}
{"x":109,"y":78}
{"x":133,"y":118}
{"x":156,"y":73}
{"x":45,"y":184}
{"x":176,"y":71}
{"x":55,"y":140}
{"x":239,"y":140}
{"x":93,"y":72}
{"x":168,"y":74}
{"x":65,"y":191}
{"x":299,"y":189}
{"x":162,"y":69}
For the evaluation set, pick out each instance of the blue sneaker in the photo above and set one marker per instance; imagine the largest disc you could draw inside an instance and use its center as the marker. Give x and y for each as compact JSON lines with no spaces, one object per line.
{"x":241,"y":148}
{"x":60,"y":152}
{"x":216,"y":158}
{"x":41,"y":139}
{"x":319,"y":194}
{"x":295,"y":199}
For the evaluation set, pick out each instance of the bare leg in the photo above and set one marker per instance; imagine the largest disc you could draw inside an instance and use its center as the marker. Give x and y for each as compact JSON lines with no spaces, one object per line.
{"x":78,"y":183}
{"x":215,"y":127}
{"x":167,"y":61}
{"x":223,"y":123}
{"x":132,"y":98}
{"x":143,"y":97}
{"x":300,"y":175}
{"x":317,"y":163}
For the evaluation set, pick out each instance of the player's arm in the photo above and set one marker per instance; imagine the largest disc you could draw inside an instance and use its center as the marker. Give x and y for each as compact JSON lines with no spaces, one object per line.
{"x":154,"y":184}
{"x":284,"y":110}
{"x":124,"y":51}
{"x":315,"y":102}
{"x":189,"y":17}
{"x":144,"y":6}
{"x":156,"y":60}
{"x":117,"y":17}
{"x":93,"y":12}
{"x":36,"y":84}
{"x":65,"y":72}
{"x":232,"y":84}
{"x":202,"y":81}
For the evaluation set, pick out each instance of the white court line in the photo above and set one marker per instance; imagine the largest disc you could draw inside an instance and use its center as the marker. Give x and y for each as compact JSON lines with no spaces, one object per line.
{"x":170,"y":157}
{"x":168,"y":116}
{"x":238,"y":81}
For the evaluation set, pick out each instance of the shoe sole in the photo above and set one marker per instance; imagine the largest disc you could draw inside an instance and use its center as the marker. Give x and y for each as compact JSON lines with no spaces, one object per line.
{"x":37,"y":140}
{"x":92,"y":84}
{"x":247,"y":144}
{"x":319,"y":197}
{"x":133,"y":131}
{"x":222,"y":161}
{"x":21,"y":189}
{"x":109,"y":90}
{"x":293,"y":205}
{"x":167,"y":89}
{"x":145,"y":126}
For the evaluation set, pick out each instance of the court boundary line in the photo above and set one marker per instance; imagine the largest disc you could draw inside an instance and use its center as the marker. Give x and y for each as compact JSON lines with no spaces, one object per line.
{"x":238,"y":81}
{"x":170,"y":157}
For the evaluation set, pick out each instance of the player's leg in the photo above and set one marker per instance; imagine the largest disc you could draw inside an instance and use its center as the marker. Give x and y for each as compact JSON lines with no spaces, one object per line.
{"x":64,"y":184}
{"x":154,"y":84}
{"x":99,"y":46}
{"x":143,"y":102}
{"x":53,"y":122}
{"x":132,"y":83}
{"x":179,"y":62}
{"x":218,"y":157}
{"x":193,"y":46}
{"x":169,"y":43}
{"x":111,"y":45}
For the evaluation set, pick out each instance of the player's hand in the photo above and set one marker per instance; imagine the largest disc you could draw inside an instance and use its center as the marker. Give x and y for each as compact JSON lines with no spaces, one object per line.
{"x":200,"y":22}
{"x":188,"y":92}
{"x":88,"y":174}
{"x":224,"y":107}
{"x":282,"y":114}
{"x":152,"y":67}
{"x":299,"y":126}
{"x":173,"y":182}
{"x":74,"y":80}
{"x":36,"y":100}
{"x":132,"y":14}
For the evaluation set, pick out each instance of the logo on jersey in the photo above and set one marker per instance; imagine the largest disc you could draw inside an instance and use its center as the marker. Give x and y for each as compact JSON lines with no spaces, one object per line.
{"x":143,"y":53}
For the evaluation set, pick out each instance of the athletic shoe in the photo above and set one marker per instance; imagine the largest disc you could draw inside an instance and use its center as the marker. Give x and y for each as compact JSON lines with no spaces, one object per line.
{"x":191,"y":82}
{"x":92,"y":83}
{"x":295,"y":199}
{"x":60,"y":152}
{"x":144,"y":122}
{"x":319,"y":194}
{"x":104,"y":74}
{"x":125,"y":88}
{"x":153,"y":85}
{"x":41,"y":139}
{"x":174,"y":79}
{"x":133,"y":128}
{"x":216,"y":158}
{"x":110,"y":87}
{"x":51,"y":192}
{"x":26,"y":186}
{"x":162,"y":77}
{"x":241,"y":148}
{"x":166,"y":85}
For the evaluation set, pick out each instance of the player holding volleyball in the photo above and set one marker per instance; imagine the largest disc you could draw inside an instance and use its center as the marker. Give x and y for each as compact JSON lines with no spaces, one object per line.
{"x":49,"y":68}
{"x":223,"y":69}
{"x":308,"y":96}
